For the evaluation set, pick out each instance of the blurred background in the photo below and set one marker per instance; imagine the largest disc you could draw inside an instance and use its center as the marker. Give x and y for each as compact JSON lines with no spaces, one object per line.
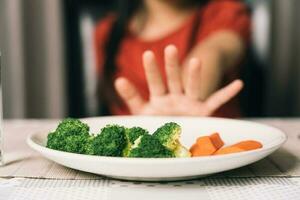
{"x":48,"y":64}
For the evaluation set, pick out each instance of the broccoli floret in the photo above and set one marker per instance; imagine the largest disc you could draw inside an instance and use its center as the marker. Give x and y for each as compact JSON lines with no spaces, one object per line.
{"x":182,"y":152}
{"x":78,"y":144}
{"x":110,"y":142}
{"x":71,"y":135}
{"x":71,"y":126}
{"x":147,"y":146}
{"x":134,"y":133}
{"x":131,"y":135}
{"x":169,"y":135}
{"x":56,"y":141}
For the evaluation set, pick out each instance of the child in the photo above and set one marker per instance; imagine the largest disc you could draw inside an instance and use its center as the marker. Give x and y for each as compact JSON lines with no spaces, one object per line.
{"x":171,"y":57}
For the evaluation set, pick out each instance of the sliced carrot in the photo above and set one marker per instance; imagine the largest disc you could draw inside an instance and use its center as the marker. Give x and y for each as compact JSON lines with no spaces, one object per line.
{"x":228,"y":150}
{"x":203,"y":147}
{"x":248,"y":145}
{"x":212,"y":145}
{"x":216,"y":140}
{"x":194,"y":149}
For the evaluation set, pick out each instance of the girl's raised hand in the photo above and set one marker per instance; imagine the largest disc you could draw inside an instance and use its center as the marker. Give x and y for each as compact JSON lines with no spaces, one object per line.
{"x":176,"y":98}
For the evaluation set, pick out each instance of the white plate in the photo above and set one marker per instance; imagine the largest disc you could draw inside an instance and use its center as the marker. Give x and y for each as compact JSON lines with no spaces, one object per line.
{"x":158,"y":169}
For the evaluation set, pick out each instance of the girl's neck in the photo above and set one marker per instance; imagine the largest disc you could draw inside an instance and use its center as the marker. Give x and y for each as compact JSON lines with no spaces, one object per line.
{"x":165,"y":9}
{"x":157,"y":18}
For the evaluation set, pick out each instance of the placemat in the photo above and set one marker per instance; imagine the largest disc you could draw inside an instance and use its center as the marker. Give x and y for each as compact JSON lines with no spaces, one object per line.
{"x":205,"y":189}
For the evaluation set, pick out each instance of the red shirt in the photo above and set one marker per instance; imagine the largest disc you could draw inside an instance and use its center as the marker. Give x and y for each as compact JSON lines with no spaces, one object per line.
{"x":218,"y":15}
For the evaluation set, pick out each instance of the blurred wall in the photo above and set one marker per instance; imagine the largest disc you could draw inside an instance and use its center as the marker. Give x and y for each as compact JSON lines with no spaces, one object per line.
{"x":11,"y":46}
{"x":33,"y":58}
{"x":283,"y":84}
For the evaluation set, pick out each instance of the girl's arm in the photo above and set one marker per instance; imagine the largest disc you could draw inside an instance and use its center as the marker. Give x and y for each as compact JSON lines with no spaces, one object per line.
{"x":217,"y":54}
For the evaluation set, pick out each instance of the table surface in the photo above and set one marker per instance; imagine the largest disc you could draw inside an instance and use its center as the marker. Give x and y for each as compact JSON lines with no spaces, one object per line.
{"x":272,"y":178}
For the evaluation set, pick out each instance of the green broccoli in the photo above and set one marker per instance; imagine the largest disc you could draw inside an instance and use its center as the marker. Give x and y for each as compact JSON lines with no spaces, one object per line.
{"x":131,"y":135}
{"x":71,"y":135}
{"x":169,"y":135}
{"x":147,"y":146}
{"x":78,"y":144}
{"x":134,"y":133}
{"x":70,"y":126}
{"x":110,"y":142}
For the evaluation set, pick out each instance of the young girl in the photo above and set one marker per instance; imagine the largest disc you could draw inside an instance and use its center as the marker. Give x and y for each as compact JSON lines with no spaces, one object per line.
{"x":171,"y":57}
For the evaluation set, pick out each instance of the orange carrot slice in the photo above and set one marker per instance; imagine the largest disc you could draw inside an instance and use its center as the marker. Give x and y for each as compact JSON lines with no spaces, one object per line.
{"x":203,"y":147}
{"x":228,"y":150}
{"x":216,"y":140}
{"x":248,"y":145}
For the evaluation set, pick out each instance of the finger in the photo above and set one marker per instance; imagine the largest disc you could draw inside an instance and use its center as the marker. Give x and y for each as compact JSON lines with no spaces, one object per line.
{"x":129,"y":94}
{"x":192,"y":88}
{"x":154,"y":79}
{"x":223,"y":95}
{"x":173,"y":70}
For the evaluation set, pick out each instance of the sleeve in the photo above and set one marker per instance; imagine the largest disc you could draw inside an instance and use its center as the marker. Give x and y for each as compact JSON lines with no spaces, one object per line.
{"x":101,"y":33}
{"x":221,"y":15}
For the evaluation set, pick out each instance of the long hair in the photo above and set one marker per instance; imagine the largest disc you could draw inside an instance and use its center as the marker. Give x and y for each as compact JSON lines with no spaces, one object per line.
{"x":124,"y":11}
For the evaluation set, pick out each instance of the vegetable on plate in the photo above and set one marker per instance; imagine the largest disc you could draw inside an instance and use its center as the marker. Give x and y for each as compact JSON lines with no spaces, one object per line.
{"x":72,"y":135}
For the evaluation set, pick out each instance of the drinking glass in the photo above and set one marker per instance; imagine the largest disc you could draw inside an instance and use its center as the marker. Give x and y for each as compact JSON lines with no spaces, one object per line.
{"x":1,"y":128}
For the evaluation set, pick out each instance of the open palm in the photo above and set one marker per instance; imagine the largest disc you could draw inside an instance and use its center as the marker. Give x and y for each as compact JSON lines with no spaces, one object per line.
{"x":177,"y":98}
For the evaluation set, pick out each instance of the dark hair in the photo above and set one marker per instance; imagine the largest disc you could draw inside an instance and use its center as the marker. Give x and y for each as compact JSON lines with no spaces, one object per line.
{"x":124,"y":11}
